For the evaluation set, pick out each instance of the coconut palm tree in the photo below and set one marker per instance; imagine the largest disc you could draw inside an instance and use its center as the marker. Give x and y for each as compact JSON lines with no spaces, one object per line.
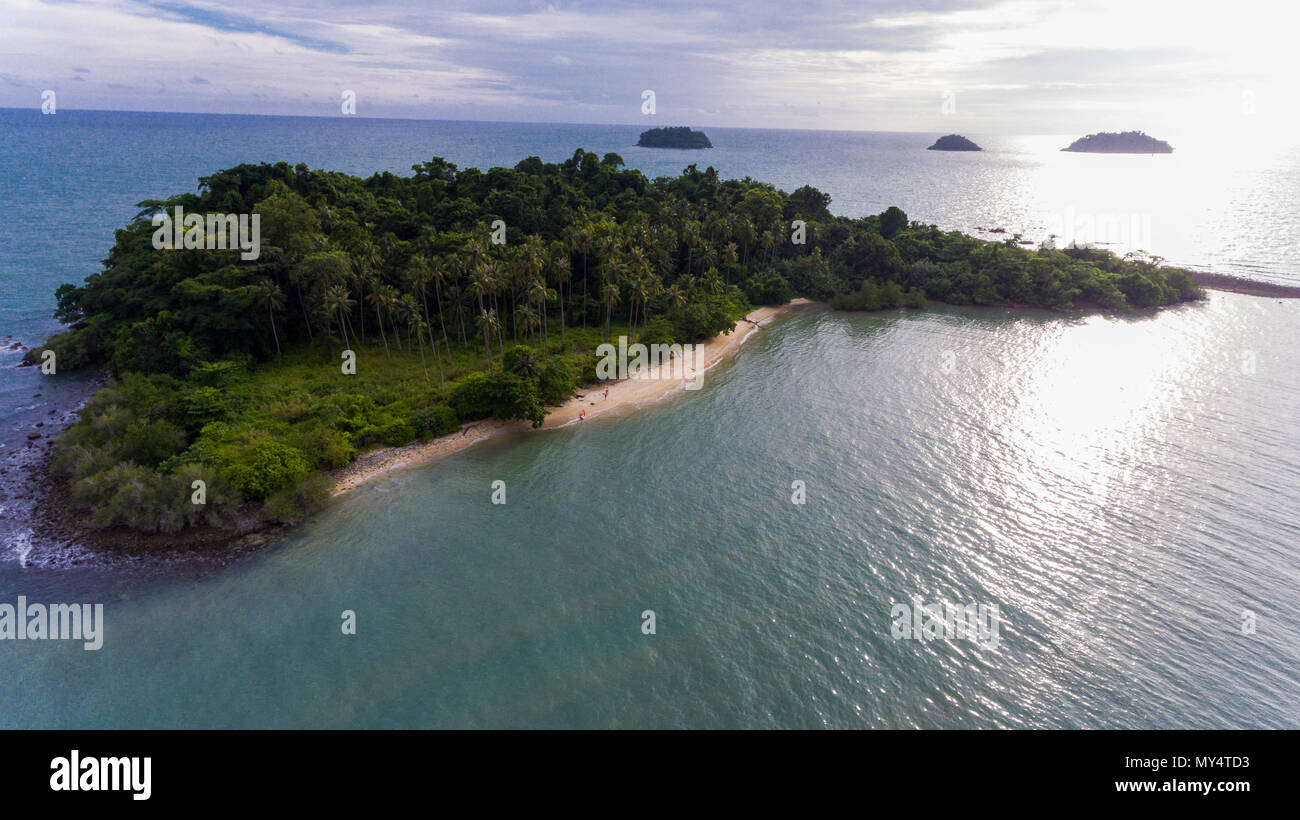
{"x":480,"y":285}
{"x":420,"y":273}
{"x":456,"y":295}
{"x":562,"y":273}
{"x":488,"y":321}
{"x":410,"y":311}
{"x":676,"y":299}
{"x":382,"y":302}
{"x":539,"y":294}
{"x":270,"y":295}
{"x":527,"y":319}
{"x":338,"y":302}
{"x":609,"y":291}
{"x":439,"y":272}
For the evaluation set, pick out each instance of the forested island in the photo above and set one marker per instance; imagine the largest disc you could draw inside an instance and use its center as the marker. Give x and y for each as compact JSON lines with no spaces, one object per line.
{"x":676,"y":137}
{"x":1127,"y":142}
{"x":463,"y":294}
{"x":954,"y":142}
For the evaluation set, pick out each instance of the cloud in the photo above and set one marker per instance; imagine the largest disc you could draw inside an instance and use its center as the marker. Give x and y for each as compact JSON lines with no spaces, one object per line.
{"x":1013,"y":65}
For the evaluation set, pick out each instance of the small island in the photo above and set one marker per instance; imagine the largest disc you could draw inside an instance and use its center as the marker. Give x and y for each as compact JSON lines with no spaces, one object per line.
{"x":954,"y":142}
{"x":271,"y":382}
{"x":676,"y":137}
{"x":1128,"y":142}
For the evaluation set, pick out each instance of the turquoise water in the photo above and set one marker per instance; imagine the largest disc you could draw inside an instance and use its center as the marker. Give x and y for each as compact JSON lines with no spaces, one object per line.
{"x":1089,"y":476}
{"x":1124,"y":489}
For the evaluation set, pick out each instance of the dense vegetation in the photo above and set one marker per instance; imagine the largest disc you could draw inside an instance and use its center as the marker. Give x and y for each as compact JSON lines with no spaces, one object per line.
{"x":230,"y":371}
{"x":954,"y":142}
{"x":1127,"y":142}
{"x":678,"y":137}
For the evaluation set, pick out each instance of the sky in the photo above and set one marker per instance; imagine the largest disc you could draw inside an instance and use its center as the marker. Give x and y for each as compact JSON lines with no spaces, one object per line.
{"x":968,"y":66}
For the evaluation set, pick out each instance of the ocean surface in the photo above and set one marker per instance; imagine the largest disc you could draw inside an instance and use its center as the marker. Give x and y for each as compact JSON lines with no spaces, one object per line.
{"x":1124,"y":489}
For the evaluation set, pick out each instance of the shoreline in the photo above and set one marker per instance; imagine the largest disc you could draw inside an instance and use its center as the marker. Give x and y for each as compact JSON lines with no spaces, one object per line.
{"x":60,"y":540}
{"x":1249,"y":287}
{"x":623,"y":393}
{"x":56,"y":540}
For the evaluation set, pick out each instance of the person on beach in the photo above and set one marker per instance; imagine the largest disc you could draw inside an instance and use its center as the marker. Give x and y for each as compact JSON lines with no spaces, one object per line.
{"x":606,"y":392}
{"x":582,"y":416}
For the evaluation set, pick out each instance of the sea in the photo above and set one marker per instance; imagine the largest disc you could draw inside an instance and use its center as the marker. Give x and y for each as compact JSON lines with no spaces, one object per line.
{"x":1113,"y":500}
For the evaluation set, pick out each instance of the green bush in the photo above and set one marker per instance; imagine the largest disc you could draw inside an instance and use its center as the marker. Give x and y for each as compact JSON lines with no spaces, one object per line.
{"x":204,"y":405}
{"x":556,"y":383}
{"x":260,"y":469}
{"x":294,"y":503}
{"x":397,"y":433}
{"x":329,"y":448}
{"x":471,"y":396}
{"x":438,"y":420}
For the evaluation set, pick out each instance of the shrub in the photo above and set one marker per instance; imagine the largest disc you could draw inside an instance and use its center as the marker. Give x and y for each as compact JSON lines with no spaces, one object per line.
{"x":329,"y":448}
{"x":556,"y":383}
{"x":471,"y":396}
{"x":150,"y":442}
{"x":522,"y":361}
{"x":260,"y":469}
{"x":204,"y":405}
{"x":438,"y":420}
{"x":296,"y":502}
{"x":397,"y":433}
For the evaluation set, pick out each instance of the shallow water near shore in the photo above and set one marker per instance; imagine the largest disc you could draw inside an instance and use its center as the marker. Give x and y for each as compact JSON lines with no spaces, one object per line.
{"x":1123,"y":489}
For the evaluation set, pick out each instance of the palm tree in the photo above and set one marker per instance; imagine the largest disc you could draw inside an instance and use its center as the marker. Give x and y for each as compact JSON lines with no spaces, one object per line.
{"x":456,"y":295}
{"x":379,"y":297}
{"x":676,"y":298}
{"x":363,"y":275}
{"x":438,"y":272}
{"x":270,"y":295}
{"x":583,"y":239}
{"x":712,"y":282}
{"x":370,"y":260}
{"x":610,"y":293}
{"x":690,"y":238}
{"x":560,"y":265}
{"x":527,"y":318}
{"x":390,"y":303}
{"x":540,"y":294}
{"x":480,"y":285}
{"x":421,"y":271}
{"x":410,"y":310}
{"x":487,"y":320}
{"x":337,"y":301}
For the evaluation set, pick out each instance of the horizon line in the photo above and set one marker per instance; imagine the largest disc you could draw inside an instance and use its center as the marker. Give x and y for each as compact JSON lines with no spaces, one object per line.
{"x":528,"y":122}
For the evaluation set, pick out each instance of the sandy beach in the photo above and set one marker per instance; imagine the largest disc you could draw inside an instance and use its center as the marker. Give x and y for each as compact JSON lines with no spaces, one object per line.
{"x":623,"y":394}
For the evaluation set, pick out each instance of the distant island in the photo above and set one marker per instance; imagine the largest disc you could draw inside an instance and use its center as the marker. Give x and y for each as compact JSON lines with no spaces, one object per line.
{"x":1128,"y":142}
{"x":954,"y":142}
{"x":676,"y":137}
